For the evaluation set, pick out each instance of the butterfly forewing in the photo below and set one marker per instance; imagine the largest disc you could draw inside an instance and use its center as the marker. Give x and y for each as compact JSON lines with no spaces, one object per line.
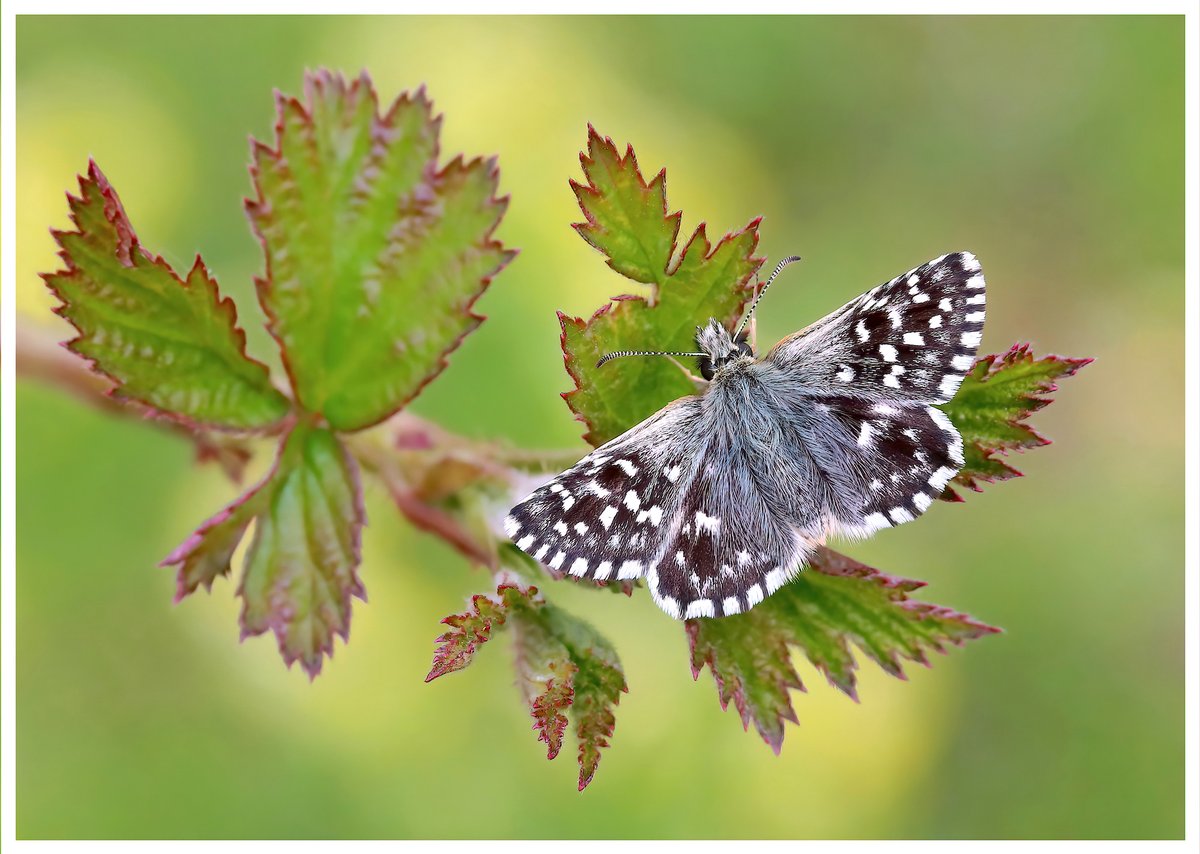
{"x":913,"y":338}
{"x":608,"y":516}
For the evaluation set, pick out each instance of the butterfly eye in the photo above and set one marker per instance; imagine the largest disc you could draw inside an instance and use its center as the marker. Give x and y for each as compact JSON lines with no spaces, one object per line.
{"x":744,"y":348}
{"x":706,"y":367}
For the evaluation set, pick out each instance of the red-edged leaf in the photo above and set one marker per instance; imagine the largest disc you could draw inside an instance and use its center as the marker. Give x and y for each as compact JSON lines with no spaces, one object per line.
{"x":473,"y":628}
{"x":208,"y":553}
{"x":170,"y":344}
{"x":375,"y":256}
{"x":549,"y":706}
{"x":567,"y":671}
{"x":835,"y":603}
{"x":990,"y":410}
{"x":300,"y":570}
{"x":627,"y":220}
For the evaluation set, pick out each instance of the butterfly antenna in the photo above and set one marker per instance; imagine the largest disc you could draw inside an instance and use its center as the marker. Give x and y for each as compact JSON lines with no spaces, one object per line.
{"x":618,"y":354}
{"x":754,"y":304}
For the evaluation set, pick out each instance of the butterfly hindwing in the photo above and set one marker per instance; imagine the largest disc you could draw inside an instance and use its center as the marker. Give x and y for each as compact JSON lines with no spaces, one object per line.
{"x":728,"y":548}
{"x":913,"y":338}
{"x":885,"y":463}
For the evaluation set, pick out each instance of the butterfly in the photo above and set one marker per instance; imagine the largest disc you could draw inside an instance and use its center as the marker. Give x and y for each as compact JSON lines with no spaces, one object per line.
{"x":717,"y":499}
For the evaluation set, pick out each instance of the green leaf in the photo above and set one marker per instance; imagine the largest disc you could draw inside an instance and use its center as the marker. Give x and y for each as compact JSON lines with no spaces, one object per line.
{"x":300,"y":570}
{"x":992,"y":404}
{"x":835,"y":602}
{"x":168,"y":343}
{"x":627,"y":220}
{"x":374,"y":255}
{"x":565,"y":668}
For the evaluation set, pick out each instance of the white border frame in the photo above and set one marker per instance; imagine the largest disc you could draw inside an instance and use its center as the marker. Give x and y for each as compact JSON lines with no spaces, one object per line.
{"x":8,"y":460}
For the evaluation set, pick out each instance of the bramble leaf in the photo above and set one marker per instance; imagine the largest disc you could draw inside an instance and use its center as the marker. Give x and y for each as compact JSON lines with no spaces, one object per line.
{"x":300,"y":570}
{"x":374,"y":255}
{"x":208,"y":553}
{"x":992,"y":404}
{"x":834,"y":602}
{"x":566,"y":670}
{"x":168,"y":343}
{"x":627,"y":220}
{"x":471,"y":630}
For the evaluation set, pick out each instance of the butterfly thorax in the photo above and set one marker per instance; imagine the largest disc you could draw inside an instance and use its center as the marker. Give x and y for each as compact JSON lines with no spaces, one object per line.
{"x":720,"y":348}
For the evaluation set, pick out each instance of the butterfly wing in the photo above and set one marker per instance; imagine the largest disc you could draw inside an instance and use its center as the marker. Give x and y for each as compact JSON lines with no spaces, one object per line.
{"x":881,"y":463}
{"x":606,"y":517}
{"x":730,"y":545}
{"x":911,"y":339}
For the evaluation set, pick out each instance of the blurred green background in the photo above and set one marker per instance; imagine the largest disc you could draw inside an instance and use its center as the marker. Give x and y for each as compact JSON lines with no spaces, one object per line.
{"x":1051,"y":147}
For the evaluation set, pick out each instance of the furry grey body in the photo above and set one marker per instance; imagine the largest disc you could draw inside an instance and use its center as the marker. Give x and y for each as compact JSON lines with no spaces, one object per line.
{"x":717,"y":499}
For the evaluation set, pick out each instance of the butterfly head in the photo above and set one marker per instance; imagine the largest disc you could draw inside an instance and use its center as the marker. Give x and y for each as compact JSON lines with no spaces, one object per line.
{"x":720,"y":347}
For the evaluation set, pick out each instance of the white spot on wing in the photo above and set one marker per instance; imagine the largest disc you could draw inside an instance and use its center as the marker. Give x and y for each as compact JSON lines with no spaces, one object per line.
{"x":935,"y":322}
{"x":632,"y":501}
{"x":900,"y":515}
{"x":579,"y":567}
{"x":603,"y":570}
{"x":921,"y":298}
{"x":864,"y":434}
{"x":962,"y":363}
{"x":922,"y":501}
{"x":581,"y":528}
{"x":606,"y":518}
{"x":511,"y":526}
{"x":861,"y":331}
{"x":630,"y":569}
{"x":950,"y":384}
{"x":699,"y":608}
{"x":975,"y":282}
{"x":888,"y":352}
{"x":732,"y":605}
{"x":754,"y":595}
{"x":557,"y":560}
{"x":712,"y":524}
{"x":846,"y":374}
{"x":941,"y":477}
{"x":628,"y":467}
{"x":596,"y":489}
{"x":775,"y":579}
{"x":971,"y":339}
{"x":561,"y":527}
{"x":526,"y":541}
{"x":874,"y":522}
{"x":914,"y":339}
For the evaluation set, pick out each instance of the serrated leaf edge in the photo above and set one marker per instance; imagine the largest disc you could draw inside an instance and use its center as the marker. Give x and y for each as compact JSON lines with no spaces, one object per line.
{"x":263,"y":284}
{"x":114,"y":211}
